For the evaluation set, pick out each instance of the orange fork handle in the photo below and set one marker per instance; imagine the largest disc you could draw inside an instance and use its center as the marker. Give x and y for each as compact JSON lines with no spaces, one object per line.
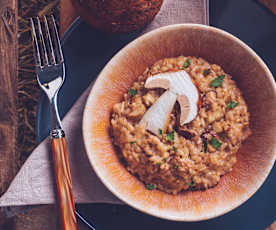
{"x":64,"y":184}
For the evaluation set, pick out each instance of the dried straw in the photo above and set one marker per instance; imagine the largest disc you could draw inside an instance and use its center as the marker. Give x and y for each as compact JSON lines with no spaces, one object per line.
{"x":28,"y":90}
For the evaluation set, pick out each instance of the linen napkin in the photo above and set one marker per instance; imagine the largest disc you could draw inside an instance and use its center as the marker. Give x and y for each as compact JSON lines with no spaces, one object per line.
{"x":34,"y":183}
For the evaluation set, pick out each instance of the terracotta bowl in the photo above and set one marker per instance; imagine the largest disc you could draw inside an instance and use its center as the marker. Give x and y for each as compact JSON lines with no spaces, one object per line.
{"x":255,"y":158}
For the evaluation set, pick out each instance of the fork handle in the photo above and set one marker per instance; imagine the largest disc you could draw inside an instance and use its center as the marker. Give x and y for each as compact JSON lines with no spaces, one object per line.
{"x":63,"y":180}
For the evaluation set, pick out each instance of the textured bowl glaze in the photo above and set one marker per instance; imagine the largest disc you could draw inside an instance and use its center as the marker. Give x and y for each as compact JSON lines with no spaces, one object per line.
{"x":255,"y":158}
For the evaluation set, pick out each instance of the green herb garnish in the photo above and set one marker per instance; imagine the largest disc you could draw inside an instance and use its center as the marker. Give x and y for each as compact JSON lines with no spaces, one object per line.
{"x":160,"y":131}
{"x":187,"y":63}
{"x":175,"y":166}
{"x":174,"y":149}
{"x":158,"y":163}
{"x":191,"y":184}
{"x":232,"y":104}
{"x":150,"y":186}
{"x":166,"y":158}
{"x":132,"y":92}
{"x":205,"y":145}
{"x":206,"y":72}
{"x":170,"y":137}
{"x":217,"y":82}
{"x":215,"y":143}
{"x":132,"y":142}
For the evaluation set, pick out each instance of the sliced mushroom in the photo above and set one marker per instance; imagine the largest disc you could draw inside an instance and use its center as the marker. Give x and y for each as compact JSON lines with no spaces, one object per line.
{"x":179,"y":87}
{"x":157,"y":117}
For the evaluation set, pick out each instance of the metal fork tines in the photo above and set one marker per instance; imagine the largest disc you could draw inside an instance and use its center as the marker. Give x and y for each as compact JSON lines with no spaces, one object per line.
{"x":50,"y":71}
{"x":49,"y":61}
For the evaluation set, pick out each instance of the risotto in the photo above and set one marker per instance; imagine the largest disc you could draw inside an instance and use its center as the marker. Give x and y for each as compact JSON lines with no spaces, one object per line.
{"x":190,"y":156}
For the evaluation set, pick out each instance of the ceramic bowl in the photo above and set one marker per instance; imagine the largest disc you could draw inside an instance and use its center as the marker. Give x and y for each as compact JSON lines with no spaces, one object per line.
{"x":255,"y":158}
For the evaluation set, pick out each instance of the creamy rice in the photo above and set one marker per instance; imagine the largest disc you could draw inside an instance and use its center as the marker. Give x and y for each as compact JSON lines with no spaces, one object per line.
{"x":189,"y":157}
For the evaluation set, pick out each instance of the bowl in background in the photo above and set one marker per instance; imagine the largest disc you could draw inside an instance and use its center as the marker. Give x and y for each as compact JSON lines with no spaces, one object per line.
{"x":254,"y":159}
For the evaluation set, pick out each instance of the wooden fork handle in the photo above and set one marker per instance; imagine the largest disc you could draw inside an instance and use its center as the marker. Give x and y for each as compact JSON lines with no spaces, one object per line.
{"x":63,"y":181}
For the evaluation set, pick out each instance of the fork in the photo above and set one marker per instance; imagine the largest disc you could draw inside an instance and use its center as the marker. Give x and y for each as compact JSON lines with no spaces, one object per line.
{"x":50,"y":70}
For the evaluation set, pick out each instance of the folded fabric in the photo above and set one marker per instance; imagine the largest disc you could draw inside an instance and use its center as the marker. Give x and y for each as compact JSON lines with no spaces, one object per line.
{"x":34,"y":183}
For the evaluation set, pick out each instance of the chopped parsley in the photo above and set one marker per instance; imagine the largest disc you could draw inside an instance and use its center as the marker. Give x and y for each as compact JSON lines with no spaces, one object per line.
{"x":191,"y":184}
{"x":166,"y":158}
{"x":174,"y":149}
{"x":160,"y":131}
{"x":232,"y":104}
{"x":205,"y":145}
{"x":132,"y":92}
{"x":217,"y":82}
{"x":206,"y":72}
{"x":175,"y":166}
{"x":187,"y":63}
{"x":150,"y":186}
{"x":215,"y":143}
{"x":170,"y":137}
{"x":132,"y":142}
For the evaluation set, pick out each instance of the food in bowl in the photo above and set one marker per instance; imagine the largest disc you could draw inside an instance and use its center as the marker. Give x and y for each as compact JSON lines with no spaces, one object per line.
{"x":180,"y":125}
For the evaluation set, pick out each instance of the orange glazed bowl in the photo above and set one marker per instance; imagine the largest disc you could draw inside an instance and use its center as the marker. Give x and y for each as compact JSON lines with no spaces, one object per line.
{"x":254,"y":159}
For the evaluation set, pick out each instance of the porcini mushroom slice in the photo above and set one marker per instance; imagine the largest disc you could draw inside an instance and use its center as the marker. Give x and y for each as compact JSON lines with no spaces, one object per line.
{"x":157,"y":83}
{"x":182,"y":87}
{"x":184,"y":108}
{"x":157,"y":117}
{"x":188,"y":110}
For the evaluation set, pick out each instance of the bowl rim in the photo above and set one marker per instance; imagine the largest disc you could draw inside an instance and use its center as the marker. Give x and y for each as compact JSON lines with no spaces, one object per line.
{"x":120,"y":53}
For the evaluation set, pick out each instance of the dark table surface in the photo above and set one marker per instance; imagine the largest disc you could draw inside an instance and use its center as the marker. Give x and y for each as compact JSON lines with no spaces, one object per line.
{"x":251,"y":22}
{"x":247,"y":20}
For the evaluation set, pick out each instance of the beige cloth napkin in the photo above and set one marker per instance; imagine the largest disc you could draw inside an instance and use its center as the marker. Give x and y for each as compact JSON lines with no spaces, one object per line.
{"x":34,"y":183}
